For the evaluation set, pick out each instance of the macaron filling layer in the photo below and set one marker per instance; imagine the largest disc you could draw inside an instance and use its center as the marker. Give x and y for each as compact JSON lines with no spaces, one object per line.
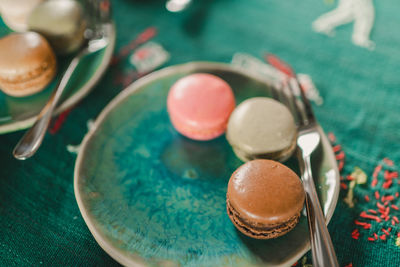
{"x":29,"y":85}
{"x":16,"y":78}
{"x":277,"y":155}
{"x":27,"y":63}
{"x":261,"y":231}
{"x":264,"y":199}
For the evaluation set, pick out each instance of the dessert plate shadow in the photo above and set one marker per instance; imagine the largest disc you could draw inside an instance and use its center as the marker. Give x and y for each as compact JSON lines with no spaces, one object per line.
{"x":152,"y":197}
{"x":17,"y":113}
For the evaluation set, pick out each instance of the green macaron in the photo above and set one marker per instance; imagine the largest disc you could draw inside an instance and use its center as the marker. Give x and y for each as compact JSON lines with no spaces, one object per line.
{"x":262,"y":127}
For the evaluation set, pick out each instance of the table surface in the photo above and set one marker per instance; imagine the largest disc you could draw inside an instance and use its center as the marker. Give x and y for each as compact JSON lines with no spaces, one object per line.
{"x":40,"y":223}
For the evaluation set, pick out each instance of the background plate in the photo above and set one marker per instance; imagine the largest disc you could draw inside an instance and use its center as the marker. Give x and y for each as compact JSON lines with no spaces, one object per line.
{"x":18,"y":113}
{"x":151,"y":197}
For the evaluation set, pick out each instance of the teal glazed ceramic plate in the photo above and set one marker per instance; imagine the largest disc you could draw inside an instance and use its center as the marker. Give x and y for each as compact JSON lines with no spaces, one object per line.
{"x":18,"y":113}
{"x":152,"y":197}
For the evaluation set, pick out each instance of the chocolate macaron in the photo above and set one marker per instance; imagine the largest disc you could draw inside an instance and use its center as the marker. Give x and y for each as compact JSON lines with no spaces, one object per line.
{"x":27,"y":63}
{"x":264,"y":199}
{"x":262,"y":127}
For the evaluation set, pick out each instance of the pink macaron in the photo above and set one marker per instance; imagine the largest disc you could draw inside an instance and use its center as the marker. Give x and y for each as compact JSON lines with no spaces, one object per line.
{"x":199,"y":106}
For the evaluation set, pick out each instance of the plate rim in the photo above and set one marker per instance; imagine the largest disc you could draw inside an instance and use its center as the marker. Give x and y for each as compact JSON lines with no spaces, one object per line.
{"x":76,"y":97}
{"x":113,"y":251}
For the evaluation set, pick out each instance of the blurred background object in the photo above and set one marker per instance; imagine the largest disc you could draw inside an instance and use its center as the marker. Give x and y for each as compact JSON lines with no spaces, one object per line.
{"x":27,"y":64}
{"x":62,"y":22}
{"x":177,"y":5}
{"x":15,"y":12}
{"x":96,"y":39}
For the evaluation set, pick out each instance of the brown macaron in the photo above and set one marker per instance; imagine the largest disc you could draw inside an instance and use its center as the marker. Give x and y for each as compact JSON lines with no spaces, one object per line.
{"x":27,"y":63}
{"x":264,"y":199}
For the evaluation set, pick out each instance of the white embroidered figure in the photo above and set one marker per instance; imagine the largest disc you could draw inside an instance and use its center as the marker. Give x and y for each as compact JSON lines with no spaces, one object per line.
{"x":362,"y":12}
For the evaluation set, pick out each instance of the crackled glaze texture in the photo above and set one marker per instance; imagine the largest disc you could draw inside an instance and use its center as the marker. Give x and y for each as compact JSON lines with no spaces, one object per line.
{"x":154,"y":197}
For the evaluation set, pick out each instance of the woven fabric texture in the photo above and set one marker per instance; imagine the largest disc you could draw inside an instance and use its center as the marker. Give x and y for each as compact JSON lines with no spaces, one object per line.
{"x":40,"y":223}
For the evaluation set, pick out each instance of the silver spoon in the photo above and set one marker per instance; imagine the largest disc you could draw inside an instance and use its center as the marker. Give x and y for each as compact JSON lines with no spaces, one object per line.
{"x":96,"y":39}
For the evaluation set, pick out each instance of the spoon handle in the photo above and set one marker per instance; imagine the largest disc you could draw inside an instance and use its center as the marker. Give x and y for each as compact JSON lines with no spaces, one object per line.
{"x":33,"y":138}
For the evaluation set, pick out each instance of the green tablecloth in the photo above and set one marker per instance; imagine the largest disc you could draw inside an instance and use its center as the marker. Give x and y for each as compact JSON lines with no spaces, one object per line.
{"x":40,"y":223}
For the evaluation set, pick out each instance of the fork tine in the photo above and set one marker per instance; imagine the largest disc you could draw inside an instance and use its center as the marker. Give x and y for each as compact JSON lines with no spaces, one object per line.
{"x":98,"y":15}
{"x":293,"y":103}
{"x":298,"y":103}
{"x":96,"y":12}
{"x":104,"y":8}
{"x":273,"y":90}
{"x":309,"y":114}
{"x":284,"y":93}
{"x":89,"y":16}
{"x":291,"y":95}
{"x":286,"y":97}
{"x":277,"y":92}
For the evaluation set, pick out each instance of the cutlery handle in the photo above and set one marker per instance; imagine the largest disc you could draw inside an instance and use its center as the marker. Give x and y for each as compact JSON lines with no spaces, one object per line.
{"x":33,"y":138}
{"x":323,"y":252}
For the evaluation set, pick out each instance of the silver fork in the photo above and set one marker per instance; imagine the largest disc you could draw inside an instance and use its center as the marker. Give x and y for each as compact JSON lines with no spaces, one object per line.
{"x":308,"y":139}
{"x":97,"y":37}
